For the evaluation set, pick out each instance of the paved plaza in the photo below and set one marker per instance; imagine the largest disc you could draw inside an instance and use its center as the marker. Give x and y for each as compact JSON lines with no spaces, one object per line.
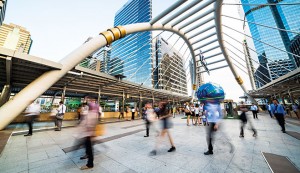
{"x":123,"y":148}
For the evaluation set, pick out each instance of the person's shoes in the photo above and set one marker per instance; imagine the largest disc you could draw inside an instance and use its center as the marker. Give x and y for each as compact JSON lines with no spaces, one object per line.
{"x":208,"y":153}
{"x":241,"y":136}
{"x":57,"y":130}
{"x":146,"y":136}
{"x":152,"y":153}
{"x":28,"y":134}
{"x":255,"y":135}
{"x":172,"y":149}
{"x":283,"y":131}
{"x":84,"y":157}
{"x":85,"y":167}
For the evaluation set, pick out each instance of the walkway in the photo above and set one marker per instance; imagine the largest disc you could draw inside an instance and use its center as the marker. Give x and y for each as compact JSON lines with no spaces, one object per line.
{"x":124,"y":149}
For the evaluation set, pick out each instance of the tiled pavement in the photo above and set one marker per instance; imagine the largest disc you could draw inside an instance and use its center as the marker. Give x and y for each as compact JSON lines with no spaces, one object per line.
{"x":43,"y":152}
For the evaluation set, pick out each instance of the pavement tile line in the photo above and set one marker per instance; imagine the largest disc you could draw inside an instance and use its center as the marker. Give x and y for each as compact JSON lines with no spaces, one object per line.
{"x":279,"y":164}
{"x":294,"y":134}
{"x":76,"y":147}
{"x":136,"y":125}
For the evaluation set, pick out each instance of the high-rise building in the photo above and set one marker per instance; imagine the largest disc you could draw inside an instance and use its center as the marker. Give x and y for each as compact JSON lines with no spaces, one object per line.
{"x":295,"y":49}
{"x":134,"y":51}
{"x":276,"y":16}
{"x":103,"y":58}
{"x":15,"y":37}
{"x":168,"y":67}
{"x":2,"y":10}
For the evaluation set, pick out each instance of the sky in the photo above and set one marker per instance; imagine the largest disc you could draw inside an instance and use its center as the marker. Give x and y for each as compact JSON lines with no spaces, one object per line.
{"x":58,"y":27}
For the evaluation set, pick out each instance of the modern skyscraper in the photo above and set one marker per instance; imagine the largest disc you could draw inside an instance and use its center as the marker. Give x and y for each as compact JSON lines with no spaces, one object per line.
{"x":134,"y":51}
{"x":295,"y":48}
{"x":277,"y":16}
{"x":2,"y":10}
{"x":15,"y":37}
{"x":103,"y":58}
{"x":168,"y":67}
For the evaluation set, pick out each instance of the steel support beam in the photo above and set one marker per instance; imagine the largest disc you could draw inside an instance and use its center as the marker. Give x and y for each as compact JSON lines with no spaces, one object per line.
{"x":218,"y":20}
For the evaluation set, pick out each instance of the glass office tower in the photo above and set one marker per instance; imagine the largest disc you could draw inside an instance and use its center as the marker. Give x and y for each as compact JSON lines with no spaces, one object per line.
{"x":278,"y":16}
{"x":134,"y":51}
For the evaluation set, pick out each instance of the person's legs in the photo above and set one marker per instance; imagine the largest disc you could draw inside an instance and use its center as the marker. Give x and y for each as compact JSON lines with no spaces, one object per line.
{"x":270,"y":114}
{"x":171,"y":142}
{"x":256,"y":114}
{"x":89,"y":151}
{"x":209,"y":138}
{"x":188,"y":119}
{"x":242,"y":128}
{"x":281,"y":122}
{"x":59,"y":124}
{"x":132,"y":116}
{"x":253,"y":112}
{"x":147,"y":128}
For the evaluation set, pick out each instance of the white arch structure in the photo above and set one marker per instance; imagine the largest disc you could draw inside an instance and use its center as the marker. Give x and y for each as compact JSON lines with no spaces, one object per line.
{"x":10,"y":110}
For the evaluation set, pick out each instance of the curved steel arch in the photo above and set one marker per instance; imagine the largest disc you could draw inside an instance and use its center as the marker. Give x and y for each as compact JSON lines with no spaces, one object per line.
{"x":10,"y":110}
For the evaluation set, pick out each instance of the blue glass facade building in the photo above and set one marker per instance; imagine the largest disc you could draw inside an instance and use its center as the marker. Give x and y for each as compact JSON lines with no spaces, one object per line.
{"x":278,"y":16}
{"x":134,"y":51}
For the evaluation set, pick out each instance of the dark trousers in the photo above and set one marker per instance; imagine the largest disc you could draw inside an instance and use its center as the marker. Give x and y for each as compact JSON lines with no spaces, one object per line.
{"x":30,"y":127}
{"x":132,"y":116}
{"x":147,"y":127}
{"x":58,"y":123}
{"x":254,"y":114}
{"x":89,"y":152}
{"x":209,"y":137}
{"x":270,"y":114}
{"x":243,"y":124}
{"x":280,"y":120}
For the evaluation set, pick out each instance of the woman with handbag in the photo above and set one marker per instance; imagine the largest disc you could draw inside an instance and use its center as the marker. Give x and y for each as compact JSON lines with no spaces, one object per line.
{"x":188,"y":113}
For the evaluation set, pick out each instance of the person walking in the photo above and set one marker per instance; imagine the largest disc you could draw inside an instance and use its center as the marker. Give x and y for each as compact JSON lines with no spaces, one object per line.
{"x":149,"y":117}
{"x":174,"y":111}
{"x":164,"y":113}
{"x":269,"y":110}
{"x":253,"y":108}
{"x":243,"y":118}
{"x":88,"y":132}
{"x":60,"y":116}
{"x":295,"y":108}
{"x":33,"y":111}
{"x":279,"y":113}
{"x":188,"y":113}
{"x":213,"y":113}
{"x":132,"y":113}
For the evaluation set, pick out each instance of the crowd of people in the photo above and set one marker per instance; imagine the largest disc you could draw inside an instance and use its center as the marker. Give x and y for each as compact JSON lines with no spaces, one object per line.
{"x":158,"y":119}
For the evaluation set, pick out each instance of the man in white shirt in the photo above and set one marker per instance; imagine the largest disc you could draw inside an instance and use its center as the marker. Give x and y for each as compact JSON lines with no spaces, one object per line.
{"x":61,"y":110}
{"x":253,"y":108}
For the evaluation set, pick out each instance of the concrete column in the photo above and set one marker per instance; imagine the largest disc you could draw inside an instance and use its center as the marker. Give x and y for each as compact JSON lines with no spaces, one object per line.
{"x":153,"y":100}
{"x":5,"y":94}
{"x":123,"y":103}
{"x":63,"y":94}
{"x":140,"y":105}
{"x":99,"y":94}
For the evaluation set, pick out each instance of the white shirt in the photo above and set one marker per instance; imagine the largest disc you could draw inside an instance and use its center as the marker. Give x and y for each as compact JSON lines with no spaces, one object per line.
{"x":253,"y":108}
{"x":201,"y":108}
{"x":62,"y":109}
{"x":197,"y":110}
{"x":33,"y":109}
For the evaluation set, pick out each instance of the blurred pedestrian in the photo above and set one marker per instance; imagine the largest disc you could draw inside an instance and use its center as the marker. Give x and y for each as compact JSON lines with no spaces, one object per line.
{"x":32,"y":112}
{"x":174,"y":111}
{"x":268,"y":106}
{"x":213,"y":114}
{"x":88,"y":131}
{"x":164,"y":113}
{"x":150,"y":117}
{"x":188,"y":113}
{"x":243,"y":118}
{"x":279,"y":113}
{"x":61,"y":110}
{"x":295,"y":108}
{"x":132,"y":113}
{"x":254,"y":110}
